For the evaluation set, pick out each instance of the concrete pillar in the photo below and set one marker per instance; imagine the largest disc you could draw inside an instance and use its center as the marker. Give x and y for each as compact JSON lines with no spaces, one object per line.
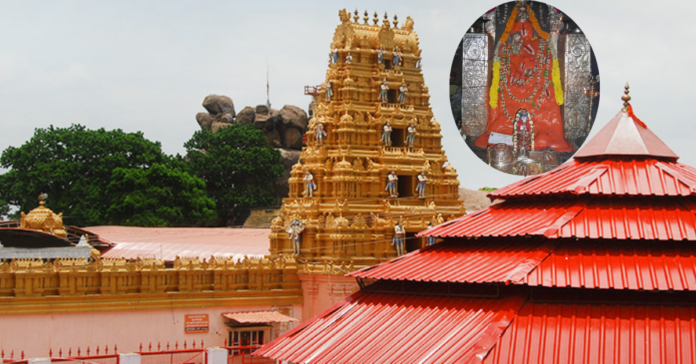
{"x":129,"y":358}
{"x":216,"y":356}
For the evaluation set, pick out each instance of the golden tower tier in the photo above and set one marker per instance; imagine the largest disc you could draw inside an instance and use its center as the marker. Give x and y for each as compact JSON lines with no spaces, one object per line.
{"x":373,"y":156}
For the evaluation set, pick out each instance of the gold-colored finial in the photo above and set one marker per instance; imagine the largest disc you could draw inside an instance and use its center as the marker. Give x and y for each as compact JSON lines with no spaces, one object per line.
{"x":355,"y":16}
{"x":376,"y":18}
{"x":396,"y":21}
{"x":386,"y":18}
{"x":42,"y":198}
{"x":626,"y":98}
{"x":366,"y":17}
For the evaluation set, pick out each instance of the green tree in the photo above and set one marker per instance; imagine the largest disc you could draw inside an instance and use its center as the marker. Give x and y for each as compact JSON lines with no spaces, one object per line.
{"x":237,"y":165}
{"x":158,"y":196}
{"x":75,"y":166}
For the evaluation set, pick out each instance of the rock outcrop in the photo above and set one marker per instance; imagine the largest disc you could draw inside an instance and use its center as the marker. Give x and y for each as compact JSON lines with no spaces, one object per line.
{"x":283,"y":128}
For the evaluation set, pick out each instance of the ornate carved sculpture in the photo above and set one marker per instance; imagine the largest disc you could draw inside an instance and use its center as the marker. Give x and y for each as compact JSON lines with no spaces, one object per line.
{"x":392,"y":181}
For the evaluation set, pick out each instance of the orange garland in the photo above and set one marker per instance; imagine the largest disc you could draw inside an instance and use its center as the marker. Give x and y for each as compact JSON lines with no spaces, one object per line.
{"x":556,"y":74}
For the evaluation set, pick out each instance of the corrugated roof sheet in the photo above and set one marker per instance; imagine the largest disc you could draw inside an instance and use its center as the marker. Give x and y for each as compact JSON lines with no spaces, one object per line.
{"x":258,"y":317}
{"x":632,"y":219}
{"x":168,"y":243}
{"x":645,"y":219}
{"x":396,"y":328}
{"x":464,"y":262}
{"x":642,"y":177}
{"x":638,"y":266}
{"x":595,"y":333}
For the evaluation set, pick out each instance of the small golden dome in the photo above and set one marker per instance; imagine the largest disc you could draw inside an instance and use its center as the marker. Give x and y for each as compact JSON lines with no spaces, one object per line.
{"x":43,"y":219}
{"x":343,"y":165}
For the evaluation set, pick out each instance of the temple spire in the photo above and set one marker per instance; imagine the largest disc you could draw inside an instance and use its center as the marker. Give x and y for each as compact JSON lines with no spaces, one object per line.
{"x":625,"y":135}
{"x":626,"y":98}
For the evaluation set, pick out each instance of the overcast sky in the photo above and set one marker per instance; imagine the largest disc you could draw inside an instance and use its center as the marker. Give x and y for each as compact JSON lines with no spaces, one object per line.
{"x":147,"y":65}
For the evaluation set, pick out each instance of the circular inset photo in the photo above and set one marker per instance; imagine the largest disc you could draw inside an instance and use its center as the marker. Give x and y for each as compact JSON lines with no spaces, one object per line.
{"x":524,"y":87}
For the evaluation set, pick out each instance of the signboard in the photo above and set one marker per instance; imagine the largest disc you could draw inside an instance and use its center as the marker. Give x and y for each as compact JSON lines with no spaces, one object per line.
{"x":497,"y":138}
{"x":197,"y":323}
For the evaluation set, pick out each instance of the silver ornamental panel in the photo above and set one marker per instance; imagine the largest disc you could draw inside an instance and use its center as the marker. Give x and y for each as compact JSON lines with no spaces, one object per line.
{"x":577,"y":73}
{"x":474,"y":79}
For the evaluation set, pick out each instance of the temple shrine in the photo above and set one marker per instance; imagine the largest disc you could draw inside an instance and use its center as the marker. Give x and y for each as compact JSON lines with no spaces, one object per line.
{"x":591,"y":262}
{"x":373,"y":172}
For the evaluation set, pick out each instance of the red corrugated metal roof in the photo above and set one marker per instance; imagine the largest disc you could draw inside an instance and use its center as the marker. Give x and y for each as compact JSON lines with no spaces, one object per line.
{"x":465,"y":261}
{"x":595,"y":333}
{"x":633,"y":219}
{"x":642,"y":177}
{"x":624,"y":136}
{"x":258,"y":317}
{"x":624,"y":218}
{"x":397,"y":328}
{"x":168,"y":243}
{"x":638,"y":266}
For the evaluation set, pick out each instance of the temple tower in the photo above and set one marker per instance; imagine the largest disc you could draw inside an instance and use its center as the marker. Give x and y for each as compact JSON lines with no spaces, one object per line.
{"x":348,"y":221}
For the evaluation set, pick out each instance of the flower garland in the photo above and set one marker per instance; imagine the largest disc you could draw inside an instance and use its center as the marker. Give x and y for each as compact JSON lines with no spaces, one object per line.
{"x":555,"y":72}
{"x":495,"y":83}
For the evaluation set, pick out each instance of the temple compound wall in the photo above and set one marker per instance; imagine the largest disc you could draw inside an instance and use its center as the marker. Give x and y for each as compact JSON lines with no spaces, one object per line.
{"x":105,"y":302}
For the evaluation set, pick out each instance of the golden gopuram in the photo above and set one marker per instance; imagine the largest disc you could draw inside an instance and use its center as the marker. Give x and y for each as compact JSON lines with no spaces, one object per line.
{"x":373,"y":172}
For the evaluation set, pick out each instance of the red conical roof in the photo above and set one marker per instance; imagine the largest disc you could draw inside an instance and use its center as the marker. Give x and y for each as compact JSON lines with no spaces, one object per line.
{"x":625,"y":135}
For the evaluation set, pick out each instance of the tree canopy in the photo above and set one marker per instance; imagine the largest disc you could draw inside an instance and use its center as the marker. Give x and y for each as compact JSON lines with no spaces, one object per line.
{"x":237,"y":165}
{"x":102,"y":177}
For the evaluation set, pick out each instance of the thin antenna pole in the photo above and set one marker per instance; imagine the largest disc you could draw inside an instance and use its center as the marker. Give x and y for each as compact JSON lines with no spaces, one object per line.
{"x":268,"y":88}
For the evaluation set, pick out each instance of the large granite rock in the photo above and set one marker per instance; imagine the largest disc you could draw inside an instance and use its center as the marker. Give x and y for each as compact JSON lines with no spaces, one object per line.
{"x":292,"y":139}
{"x":220,"y":105}
{"x":294,"y":116}
{"x":205,"y":120}
{"x":273,"y":137}
{"x":217,"y":125}
{"x":246,"y":116}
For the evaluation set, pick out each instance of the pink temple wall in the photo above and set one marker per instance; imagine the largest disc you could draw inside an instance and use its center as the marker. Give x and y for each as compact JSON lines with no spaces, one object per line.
{"x":35,"y":334}
{"x":323,"y":291}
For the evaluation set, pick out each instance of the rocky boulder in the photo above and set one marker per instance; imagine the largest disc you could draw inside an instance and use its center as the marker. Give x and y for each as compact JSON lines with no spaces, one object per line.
{"x":246,"y":116}
{"x":205,"y":120}
{"x":295,"y":117}
{"x":292,"y":139}
{"x":221,"y":106}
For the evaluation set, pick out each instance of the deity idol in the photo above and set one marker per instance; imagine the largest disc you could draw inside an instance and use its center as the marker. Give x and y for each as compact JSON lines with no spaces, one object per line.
{"x":526,"y":76}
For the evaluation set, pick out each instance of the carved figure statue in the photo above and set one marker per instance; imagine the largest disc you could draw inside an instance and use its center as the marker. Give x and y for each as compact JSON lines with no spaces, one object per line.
{"x":349,"y":59}
{"x":399,"y":235}
{"x":383,"y":91}
{"x":402,"y":93}
{"x":310,"y":186}
{"x":431,"y":239}
{"x":386,"y":134}
{"x":526,"y":75}
{"x":411,"y":137}
{"x":329,"y":91}
{"x":420,"y":188}
{"x":380,"y":54}
{"x":397,"y":57}
{"x":319,"y":133}
{"x":294,"y":230}
{"x":334,"y":55}
{"x":523,"y":133}
{"x":392,"y":180}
